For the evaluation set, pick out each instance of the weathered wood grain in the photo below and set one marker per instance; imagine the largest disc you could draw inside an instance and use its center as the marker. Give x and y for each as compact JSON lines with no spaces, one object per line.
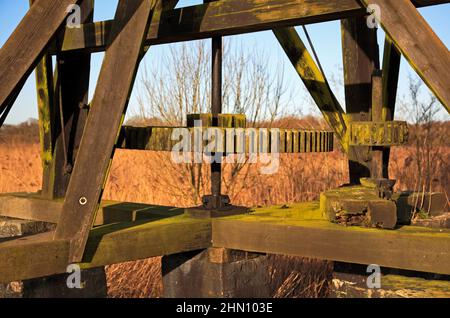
{"x":105,"y":119}
{"x":40,"y":255}
{"x":72,"y":90}
{"x":360,"y":58}
{"x":220,"y":18}
{"x":418,"y":43}
{"x":411,"y":248}
{"x":24,"y":48}
{"x":123,"y":242}
{"x":314,"y":81}
{"x":47,"y":116}
{"x":31,"y":206}
{"x":391,"y":72}
{"x":33,"y":256}
{"x":207,"y":20}
{"x":297,"y":230}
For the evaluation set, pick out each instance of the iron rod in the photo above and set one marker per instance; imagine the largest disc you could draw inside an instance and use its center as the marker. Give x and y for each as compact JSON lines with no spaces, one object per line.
{"x":216,"y":108}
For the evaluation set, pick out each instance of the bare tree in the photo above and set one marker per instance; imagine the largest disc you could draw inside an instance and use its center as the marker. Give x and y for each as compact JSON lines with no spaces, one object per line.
{"x":422,"y":111}
{"x":179,"y":84}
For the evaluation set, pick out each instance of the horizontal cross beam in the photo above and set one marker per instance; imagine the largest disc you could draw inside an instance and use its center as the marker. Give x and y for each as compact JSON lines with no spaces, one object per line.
{"x":32,"y":207}
{"x":40,"y":255}
{"x":220,"y":18}
{"x":299,"y":230}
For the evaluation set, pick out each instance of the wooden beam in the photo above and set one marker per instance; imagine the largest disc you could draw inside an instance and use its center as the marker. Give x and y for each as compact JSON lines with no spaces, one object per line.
{"x":423,"y":49}
{"x":105,"y":119}
{"x":377,"y":165}
{"x":278,"y":231}
{"x":65,"y":90}
{"x":40,"y":255}
{"x":71,"y":92}
{"x":31,"y":206}
{"x":391,"y":71}
{"x":298,"y":230}
{"x":314,"y":81}
{"x":222,"y":18}
{"x":124,"y":242}
{"x":360,"y":59}
{"x":24,"y":48}
{"x":219,"y":18}
{"x":426,"y":3}
{"x":47,"y":116}
{"x":33,"y":256}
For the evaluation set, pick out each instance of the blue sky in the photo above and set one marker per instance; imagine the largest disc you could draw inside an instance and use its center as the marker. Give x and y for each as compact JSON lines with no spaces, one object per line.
{"x":326,"y":38}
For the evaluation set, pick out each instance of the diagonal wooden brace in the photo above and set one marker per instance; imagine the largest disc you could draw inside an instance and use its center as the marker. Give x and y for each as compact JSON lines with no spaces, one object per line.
{"x":418,"y":43}
{"x":23,"y":50}
{"x":102,"y":128}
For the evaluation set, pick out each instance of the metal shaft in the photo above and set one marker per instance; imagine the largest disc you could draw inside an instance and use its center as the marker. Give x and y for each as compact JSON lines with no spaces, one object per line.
{"x":216,"y":108}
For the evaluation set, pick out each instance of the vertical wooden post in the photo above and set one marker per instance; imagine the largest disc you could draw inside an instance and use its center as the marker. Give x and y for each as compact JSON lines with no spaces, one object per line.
{"x":71,"y":92}
{"x":376,"y":170}
{"x":391,"y":70}
{"x":62,"y":113}
{"x":46,"y":111}
{"x":360,"y":58}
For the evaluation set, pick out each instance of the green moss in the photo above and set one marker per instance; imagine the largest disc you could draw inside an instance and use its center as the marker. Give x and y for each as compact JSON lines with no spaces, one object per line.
{"x":414,"y":283}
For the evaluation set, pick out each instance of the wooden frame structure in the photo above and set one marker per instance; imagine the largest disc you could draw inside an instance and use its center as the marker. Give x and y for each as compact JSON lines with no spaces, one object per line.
{"x":78,"y":139}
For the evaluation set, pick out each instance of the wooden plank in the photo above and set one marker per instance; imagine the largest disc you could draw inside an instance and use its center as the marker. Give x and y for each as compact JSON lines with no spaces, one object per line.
{"x":123,"y":242}
{"x":377,"y":165}
{"x":287,"y":232}
{"x":31,"y":206}
{"x":40,"y":255}
{"x":72,"y":90}
{"x":425,"y":3}
{"x":391,"y":72}
{"x":208,"y":20}
{"x":33,"y":256}
{"x":297,"y":230}
{"x":360,"y":58}
{"x":418,"y":43}
{"x":314,"y":80}
{"x":23,"y":49}
{"x":47,"y":116}
{"x":67,"y":89}
{"x":105,"y":119}
{"x":220,"y":18}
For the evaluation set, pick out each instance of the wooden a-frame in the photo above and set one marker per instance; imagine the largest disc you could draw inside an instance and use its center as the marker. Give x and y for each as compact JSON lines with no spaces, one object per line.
{"x":140,"y":23}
